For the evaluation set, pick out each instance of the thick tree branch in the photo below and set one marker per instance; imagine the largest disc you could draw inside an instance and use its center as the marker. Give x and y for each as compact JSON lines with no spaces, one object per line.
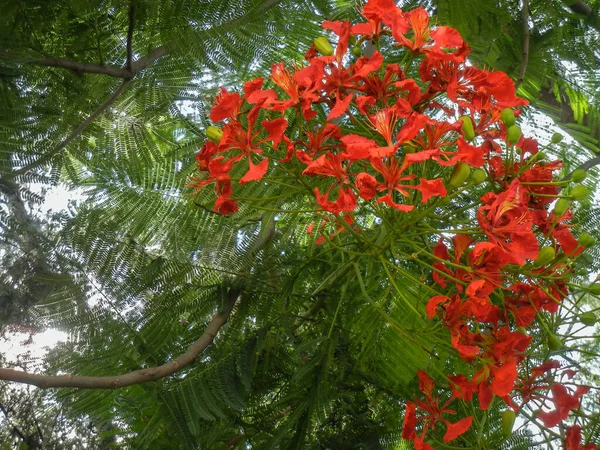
{"x":137,"y":376}
{"x":118,"y":72}
{"x":580,"y":7}
{"x":525,"y":55}
{"x":130,"y":37}
{"x":79,"y":67}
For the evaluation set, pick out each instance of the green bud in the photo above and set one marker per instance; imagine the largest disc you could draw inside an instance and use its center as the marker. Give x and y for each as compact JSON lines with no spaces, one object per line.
{"x":579,"y":192}
{"x":586,"y":239}
{"x":215,"y":134}
{"x":513,"y":134}
{"x":478,"y":176}
{"x":556,"y":138}
{"x":92,"y":142}
{"x":588,"y":318}
{"x":459,"y":175}
{"x":545,"y":256}
{"x":561,"y":207}
{"x":351,"y":39}
{"x":508,"y":421}
{"x":323,"y":46}
{"x":554,"y":343}
{"x":357,"y":51}
{"x":578,"y":176}
{"x":467,"y":128}
{"x":508,"y":117}
{"x":594,"y":289}
{"x":407,"y":148}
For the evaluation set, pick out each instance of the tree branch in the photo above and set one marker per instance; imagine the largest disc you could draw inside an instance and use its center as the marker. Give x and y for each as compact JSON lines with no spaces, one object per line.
{"x":118,"y":72}
{"x":79,"y":67}
{"x":525,"y":55}
{"x":48,"y":156}
{"x":580,"y":7}
{"x":137,"y":376}
{"x":28,"y":440}
{"x":130,"y":36}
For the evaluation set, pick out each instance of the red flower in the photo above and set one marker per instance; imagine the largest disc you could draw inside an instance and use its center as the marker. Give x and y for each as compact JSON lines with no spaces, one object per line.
{"x":507,"y":221}
{"x":346,"y":201}
{"x":563,"y":403}
{"x":572,"y":442}
{"x":431,"y":414}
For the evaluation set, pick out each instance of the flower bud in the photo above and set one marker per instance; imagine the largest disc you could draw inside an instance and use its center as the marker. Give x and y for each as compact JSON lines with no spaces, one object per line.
{"x":513,"y":134}
{"x":561,"y":207}
{"x":407,"y":148}
{"x":554,"y":343}
{"x":594,"y":289}
{"x":508,"y":421}
{"x":579,"y":192}
{"x":478,"y":176}
{"x":323,"y":46}
{"x":459,"y":175}
{"x":467,"y":128}
{"x":508,"y":117}
{"x":215,"y":134}
{"x":556,"y":138}
{"x":545,"y":256}
{"x":588,"y":318}
{"x":586,"y":239}
{"x":357,"y":51}
{"x":578,"y":176}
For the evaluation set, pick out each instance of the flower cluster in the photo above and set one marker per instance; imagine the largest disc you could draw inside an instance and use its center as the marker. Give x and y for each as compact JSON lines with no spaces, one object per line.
{"x":375,"y":138}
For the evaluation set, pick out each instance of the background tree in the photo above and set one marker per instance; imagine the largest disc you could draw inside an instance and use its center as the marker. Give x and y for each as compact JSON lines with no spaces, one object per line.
{"x":112,"y":100}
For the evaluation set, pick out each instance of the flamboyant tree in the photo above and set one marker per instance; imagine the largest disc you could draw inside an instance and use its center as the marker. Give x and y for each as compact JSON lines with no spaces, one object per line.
{"x":396,"y":259}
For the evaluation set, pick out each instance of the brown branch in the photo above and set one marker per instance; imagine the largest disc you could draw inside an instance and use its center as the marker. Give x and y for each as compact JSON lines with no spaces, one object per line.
{"x":79,"y":67}
{"x":130,"y":36}
{"x":136,"y":66}
{"x":585,"y":166}
{"x":48,"y":156}
{"x":525,"y":55}
{"x":28,"y":440}
{"x":118,"y":72}
{"x":144,"y":62}
{"x":580,"y":7}
{"x":137,"y":376}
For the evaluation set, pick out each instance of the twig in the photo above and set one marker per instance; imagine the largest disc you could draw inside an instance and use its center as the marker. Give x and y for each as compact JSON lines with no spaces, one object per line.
{"x":137,"y":376}
{"x":525,"y":55}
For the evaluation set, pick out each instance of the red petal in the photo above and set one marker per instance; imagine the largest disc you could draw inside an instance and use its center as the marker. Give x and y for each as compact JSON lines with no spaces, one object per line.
{"x":340,"y":107}
{"x":364,"y":66}
{"x":275,"y":128}
{"x":387,"y":199}
{"x":447,"y":37}
{"x":431,"y":188}
{"x":433,"y":303}
{"x":504,"y":379}
{"x":255,"y":172}
{"x":410,"y":420}
{"x":357,"y":147}
{"x":485,"y":396}
{"x":226,"y":105}
{"x":458,"y":428}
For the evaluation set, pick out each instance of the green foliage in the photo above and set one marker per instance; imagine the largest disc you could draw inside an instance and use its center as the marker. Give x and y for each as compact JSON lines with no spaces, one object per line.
{"x":322,"y":349}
